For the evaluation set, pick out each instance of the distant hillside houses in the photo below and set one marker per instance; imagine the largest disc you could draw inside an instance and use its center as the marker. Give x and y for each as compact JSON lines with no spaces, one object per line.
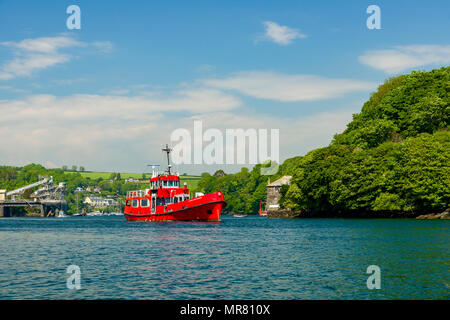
{"x":98,"y":202}
{"x":88,"y":189}
{"x":78,"y":189}
{"x":94,"y":189}
{"x":131,"y":180}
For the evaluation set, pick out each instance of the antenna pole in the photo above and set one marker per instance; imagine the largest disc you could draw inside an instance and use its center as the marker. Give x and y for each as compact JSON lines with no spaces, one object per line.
{"x":167,"y":149}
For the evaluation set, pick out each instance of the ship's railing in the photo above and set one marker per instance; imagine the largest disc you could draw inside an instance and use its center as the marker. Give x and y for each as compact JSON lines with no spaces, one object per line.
{"x":136,"y":193}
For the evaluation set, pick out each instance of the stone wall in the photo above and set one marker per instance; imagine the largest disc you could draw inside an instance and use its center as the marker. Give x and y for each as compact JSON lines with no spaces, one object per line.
{"x":273,"y":196}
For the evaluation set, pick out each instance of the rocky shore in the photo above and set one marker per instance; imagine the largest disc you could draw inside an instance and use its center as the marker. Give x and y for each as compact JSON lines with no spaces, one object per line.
{"x":442,"y":215}
{"x":356,"y":214}
{"x":283,"y":214}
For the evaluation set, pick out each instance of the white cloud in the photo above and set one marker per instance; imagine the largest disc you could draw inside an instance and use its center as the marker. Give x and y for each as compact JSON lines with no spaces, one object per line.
{"x":120,"y":91}
{"x":125,"y":133}
{"x":205,"y":68}
{"x":285,"y":87}
{"x":31,"y":55}
{"x":401,"y":58}
{"x":68,"y":82}
{"x":297,"y":135}
{"x":104,"y":46}
{"x":87,"y":107}
{"x":44,"y":44}
{"x":24,"y":66}
{"x":281,"y":34}
{"x":113,"y":132}
{"x":12,"y":89}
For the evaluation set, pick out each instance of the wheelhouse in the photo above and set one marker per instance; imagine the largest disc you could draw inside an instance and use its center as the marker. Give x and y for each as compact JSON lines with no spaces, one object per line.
{"x":163,"y":196}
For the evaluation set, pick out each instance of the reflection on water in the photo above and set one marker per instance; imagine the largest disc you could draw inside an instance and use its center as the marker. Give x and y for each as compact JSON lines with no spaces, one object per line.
{"x":246,"y":258}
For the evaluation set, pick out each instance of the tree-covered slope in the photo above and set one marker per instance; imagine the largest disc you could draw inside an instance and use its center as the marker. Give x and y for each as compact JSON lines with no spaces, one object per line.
{"x":394,"y":157}
{"x":412,"y":176}
{"x":401,"y":107}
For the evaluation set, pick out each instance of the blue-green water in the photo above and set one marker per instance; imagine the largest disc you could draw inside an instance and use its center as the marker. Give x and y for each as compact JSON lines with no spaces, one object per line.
{"x":239,"y":258}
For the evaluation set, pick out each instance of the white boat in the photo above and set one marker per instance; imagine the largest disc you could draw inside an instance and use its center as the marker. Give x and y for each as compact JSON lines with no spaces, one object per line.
{"x":115,"y":214}
{"x":94,"y":214}
{"x":61,"y":214}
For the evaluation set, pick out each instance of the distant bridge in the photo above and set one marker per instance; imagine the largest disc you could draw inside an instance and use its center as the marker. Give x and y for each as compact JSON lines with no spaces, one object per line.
{"x":45,"y":206}
{"x":48,"y":197}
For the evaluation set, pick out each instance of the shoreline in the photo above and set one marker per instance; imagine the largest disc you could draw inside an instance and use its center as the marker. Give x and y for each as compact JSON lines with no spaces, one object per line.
{"x":287,"y":214}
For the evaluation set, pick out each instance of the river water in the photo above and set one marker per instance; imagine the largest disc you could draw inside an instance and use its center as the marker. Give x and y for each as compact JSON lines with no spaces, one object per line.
{"x":239,"y":258}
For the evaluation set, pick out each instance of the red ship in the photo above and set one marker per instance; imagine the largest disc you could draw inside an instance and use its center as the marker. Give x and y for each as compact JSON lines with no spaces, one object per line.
{"x":165,"y":200}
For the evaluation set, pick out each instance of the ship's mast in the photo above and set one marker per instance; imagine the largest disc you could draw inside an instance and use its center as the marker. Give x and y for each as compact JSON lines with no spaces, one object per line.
{"x":168,"y":150}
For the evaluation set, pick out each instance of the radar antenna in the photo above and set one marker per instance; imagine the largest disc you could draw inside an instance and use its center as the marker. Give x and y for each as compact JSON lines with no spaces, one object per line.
{"x":154,"y":173}
{"x":167,"y":150}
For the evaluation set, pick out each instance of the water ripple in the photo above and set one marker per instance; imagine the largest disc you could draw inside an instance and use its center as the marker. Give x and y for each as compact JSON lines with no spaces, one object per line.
{"x":245,"y":258}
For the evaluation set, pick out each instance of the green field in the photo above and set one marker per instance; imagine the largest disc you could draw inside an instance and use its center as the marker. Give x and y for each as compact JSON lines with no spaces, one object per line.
{"x":191,"y":181}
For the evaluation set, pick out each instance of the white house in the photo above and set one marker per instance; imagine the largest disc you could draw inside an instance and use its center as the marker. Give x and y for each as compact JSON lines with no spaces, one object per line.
{"x":79,"y":189}
{"x":98,"y":202}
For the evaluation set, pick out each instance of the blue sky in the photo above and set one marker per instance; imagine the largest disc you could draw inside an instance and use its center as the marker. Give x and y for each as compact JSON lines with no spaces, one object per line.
{"x":107,"y":95}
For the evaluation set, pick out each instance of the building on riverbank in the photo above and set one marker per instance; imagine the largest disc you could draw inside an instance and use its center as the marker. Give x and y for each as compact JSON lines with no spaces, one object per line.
{"x":273,"y":192}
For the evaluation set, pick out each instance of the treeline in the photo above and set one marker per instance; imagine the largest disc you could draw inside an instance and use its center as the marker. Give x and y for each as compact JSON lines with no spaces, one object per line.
{"x":243,"y":191}
{"x":393,"y":158}
{"x":15,"y":177}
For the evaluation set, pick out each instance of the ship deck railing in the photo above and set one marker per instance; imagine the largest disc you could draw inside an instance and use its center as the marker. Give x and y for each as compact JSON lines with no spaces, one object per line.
{"x":136,"y":193}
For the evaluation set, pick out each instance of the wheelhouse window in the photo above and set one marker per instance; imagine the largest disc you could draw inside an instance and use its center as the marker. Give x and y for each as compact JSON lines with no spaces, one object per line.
{"x":135,"y":203}
{"x":144,"y":202}
{"x":169,"y":200}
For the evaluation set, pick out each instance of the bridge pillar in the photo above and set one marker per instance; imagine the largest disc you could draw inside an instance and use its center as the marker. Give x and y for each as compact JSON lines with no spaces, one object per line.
{"x":5,"y":211}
